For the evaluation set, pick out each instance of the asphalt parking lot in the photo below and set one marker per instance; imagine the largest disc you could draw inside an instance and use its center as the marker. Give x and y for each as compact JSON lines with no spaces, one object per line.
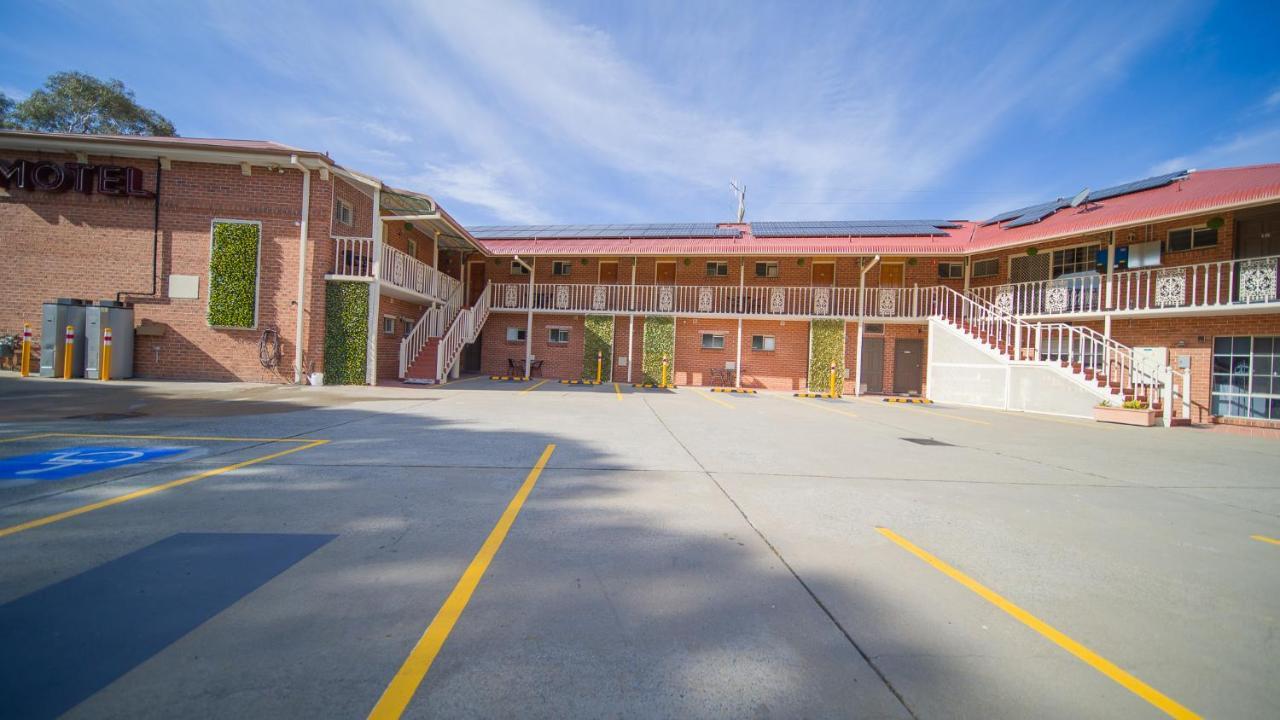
{"x":498,"y":549}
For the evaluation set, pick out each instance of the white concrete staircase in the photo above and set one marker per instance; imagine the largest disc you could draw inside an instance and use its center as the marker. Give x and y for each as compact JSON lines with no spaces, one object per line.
{"x":433,"y":347}
{"x":981,"y":356}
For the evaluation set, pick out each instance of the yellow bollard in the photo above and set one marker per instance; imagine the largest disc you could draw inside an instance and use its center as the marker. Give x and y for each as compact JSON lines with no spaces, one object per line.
{"x":26,"y":349}
{"x":67,"y":351}
{"x":105,"y":374}
{"x":664,"y":371}
{"x":832,"y":384}
{"x":599,"y":364}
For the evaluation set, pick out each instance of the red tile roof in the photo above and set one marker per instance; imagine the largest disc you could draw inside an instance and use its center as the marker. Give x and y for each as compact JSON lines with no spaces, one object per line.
{"x":1201,"y":192}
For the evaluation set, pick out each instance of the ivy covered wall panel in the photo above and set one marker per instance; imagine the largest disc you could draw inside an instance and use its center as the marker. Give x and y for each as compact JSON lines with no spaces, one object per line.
{"x":598,"y":337}
{"x":346,"y":332}
{"x":233,"y":274}
{"x":826,"y":345}
{"x":659,"y":339}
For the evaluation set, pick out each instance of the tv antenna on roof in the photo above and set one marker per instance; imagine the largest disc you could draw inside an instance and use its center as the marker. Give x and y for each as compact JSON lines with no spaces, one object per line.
{"x":741,"y":192}
{"x":1080,"y":198}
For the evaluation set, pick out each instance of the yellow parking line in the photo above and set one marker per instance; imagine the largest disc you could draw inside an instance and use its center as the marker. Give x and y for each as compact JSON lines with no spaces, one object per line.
{"x":447,"y":383}
{"x":941,"y":415}
{"x":396,"y":697}
{"x":717,"y":401}
{"x":1265,"y":539}
{"x":50,"y":519}
{"x":25,"y":437}
{"x":617,"y":390}
{"x":531,"y":388}
{"x":1094,"y":660}
{"x":819,"y":404}
{"x":218,"y":438}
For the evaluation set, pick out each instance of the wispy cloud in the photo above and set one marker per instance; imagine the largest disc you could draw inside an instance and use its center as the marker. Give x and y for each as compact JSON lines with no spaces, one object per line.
{"x":1245,"y":148}
{"x":519,"y":113}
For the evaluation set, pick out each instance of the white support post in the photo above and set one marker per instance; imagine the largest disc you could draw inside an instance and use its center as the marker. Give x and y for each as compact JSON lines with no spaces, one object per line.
{"x":1111,"y":271}
{"x":304,"y":227}
{"x":737,"y":365}
{"x":528,"y":328}
{"x":857,"y":361}
{"x":375,"y":292}
{"x":1168,"y":398}
{"x":1186,"y":395}
{"x":631,"y":319}
{"x":742,"y":283}
{"x":1106,"y":345}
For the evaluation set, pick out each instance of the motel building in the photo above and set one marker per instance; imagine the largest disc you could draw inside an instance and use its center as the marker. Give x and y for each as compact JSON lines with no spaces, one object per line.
{"x":256,"y":261}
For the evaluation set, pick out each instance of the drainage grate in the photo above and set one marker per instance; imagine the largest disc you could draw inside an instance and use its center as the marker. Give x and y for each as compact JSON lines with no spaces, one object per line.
{"x":106,"y":416}
{"x":927,"y":441}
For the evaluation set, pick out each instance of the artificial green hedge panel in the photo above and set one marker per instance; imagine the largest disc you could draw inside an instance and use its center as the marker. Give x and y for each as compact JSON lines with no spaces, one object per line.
{"x":346,"y":332}
{"x":826,"y":346}
{"x":659,"y":339}
{"x":598,"y":338}
{"x":233,"y":275}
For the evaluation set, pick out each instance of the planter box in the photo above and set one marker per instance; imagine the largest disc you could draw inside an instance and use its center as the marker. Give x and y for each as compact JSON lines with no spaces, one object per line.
{"x":1125,"y":416}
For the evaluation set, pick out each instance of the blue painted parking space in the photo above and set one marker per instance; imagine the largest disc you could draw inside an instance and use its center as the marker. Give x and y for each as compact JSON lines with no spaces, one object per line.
{"x":65,"y":642}
{"x":72,"y":461}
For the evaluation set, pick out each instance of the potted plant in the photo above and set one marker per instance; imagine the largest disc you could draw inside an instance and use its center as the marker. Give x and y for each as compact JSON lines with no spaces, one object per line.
{"x":1131,"y":412}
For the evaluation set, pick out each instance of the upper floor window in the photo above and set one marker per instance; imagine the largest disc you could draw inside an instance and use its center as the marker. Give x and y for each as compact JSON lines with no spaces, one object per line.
{"x":949,"y":270}
{"x":412,"y":245}
{"x":986,"y":268}
{"x":717,"y":269}
{"x":561,"y":267}
{"x":518,"y":269}
{"x":767,"y":269}
{"x":1074,"y":260}
{"x":1192,"y":238}
{"x":344,"y":212}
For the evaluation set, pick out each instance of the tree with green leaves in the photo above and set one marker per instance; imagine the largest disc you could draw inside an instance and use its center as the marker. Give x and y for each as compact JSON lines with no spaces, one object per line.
{"x":74,"y":102}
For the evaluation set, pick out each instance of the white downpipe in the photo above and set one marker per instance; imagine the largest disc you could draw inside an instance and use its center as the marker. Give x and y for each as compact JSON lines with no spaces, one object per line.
{"x":857,"y":360}
{"x":737,"y":365}
{"x":631,"y":319}
{"x":862,"y":286}
{"x":528,"y":328}
{"x":862,"y":295}
{"x":375,"y":292}
{"x":303,"y":230}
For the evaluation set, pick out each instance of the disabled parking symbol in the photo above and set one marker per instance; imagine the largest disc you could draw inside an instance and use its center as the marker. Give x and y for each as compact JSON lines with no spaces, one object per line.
{"x":72,"y":461}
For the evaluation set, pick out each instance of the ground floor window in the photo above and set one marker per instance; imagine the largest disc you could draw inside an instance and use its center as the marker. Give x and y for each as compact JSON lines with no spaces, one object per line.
{"x":558,"y":336}
{"x":515,"y":334}
{"x":712,"y":341}
{"x":388,"y":325}
{"x":765,"y":343}
{"x":1246,"y":377}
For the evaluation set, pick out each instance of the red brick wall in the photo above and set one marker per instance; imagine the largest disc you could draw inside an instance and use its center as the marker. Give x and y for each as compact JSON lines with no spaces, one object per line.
{"x":1196,"y":335}
{"x":560,"y":362}
{"x":389,"y":345}
{"x":784,"y":368}
{"x":73,"y":245}
{"x":892,"y":333}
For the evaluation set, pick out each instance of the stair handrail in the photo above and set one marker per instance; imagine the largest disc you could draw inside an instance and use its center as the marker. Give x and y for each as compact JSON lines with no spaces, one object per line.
{"x":1111,"y":362}
{"x":464,"y":329}
{"x":432,"y":324}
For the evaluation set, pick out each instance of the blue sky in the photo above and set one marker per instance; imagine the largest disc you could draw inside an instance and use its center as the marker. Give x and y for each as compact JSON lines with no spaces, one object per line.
{"x":514,"y":112}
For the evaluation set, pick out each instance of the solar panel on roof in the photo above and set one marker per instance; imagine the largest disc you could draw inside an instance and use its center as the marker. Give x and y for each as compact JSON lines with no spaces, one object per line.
{"x":674,"y":230}
{"x":852,"y":228}
{"x":1036,"y":213}
{"x":1136,"y":186}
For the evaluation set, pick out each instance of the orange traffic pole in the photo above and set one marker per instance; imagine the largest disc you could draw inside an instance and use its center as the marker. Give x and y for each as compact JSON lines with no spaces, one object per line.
{"x":105,"y":374}
{"x":68,"y":350}
{"x":26,"y":349}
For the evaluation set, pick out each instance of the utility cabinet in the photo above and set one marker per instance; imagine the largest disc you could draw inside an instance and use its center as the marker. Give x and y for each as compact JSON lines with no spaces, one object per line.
{"x":58,"y":314}
{"x":119,"y":317}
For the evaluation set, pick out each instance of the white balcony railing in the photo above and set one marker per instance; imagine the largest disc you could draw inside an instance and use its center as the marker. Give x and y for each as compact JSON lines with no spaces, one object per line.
{"x":761,"y":301}
{"x":1203,"y":285}
{"x":354,"y":257}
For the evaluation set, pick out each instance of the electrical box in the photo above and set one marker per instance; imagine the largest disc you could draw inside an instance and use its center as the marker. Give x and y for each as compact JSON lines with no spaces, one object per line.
{"x":622,"y":361}
{"x":119,"y":317}
{"x":57,"y":316}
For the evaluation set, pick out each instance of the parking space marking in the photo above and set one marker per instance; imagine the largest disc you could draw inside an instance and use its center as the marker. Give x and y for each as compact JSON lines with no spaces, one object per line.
{"x":1094,"y":660}
{"x":818,"y":404}
{"x":1265,"y":539}
{"x":396,"y":697}
{"x":617,"y":390}
{"x":25,"y":437}
{"x":934,"y":413}
{"x":531,"y":388}
{"x":144,"y":492}
{"x":715,"y":400}
{"x":211,"y":438}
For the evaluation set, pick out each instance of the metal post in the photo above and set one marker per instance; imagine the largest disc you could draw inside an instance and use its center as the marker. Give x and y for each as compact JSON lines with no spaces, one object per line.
{"x":375,"y":291}
{"x":67,"y":351}
{"x":1111,"y":265}
{"x":105,"y":370}
{"x":737,"y":365}
{"x":1186,"y":394}
{"x":664,"y":370}
{"x":1168,"y":398}
{"x":831,"y":384}
{"x":599,"y":364}
{"x":528,"y":328}
{"x":857,"y":363}
{"x":26,"y":349}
